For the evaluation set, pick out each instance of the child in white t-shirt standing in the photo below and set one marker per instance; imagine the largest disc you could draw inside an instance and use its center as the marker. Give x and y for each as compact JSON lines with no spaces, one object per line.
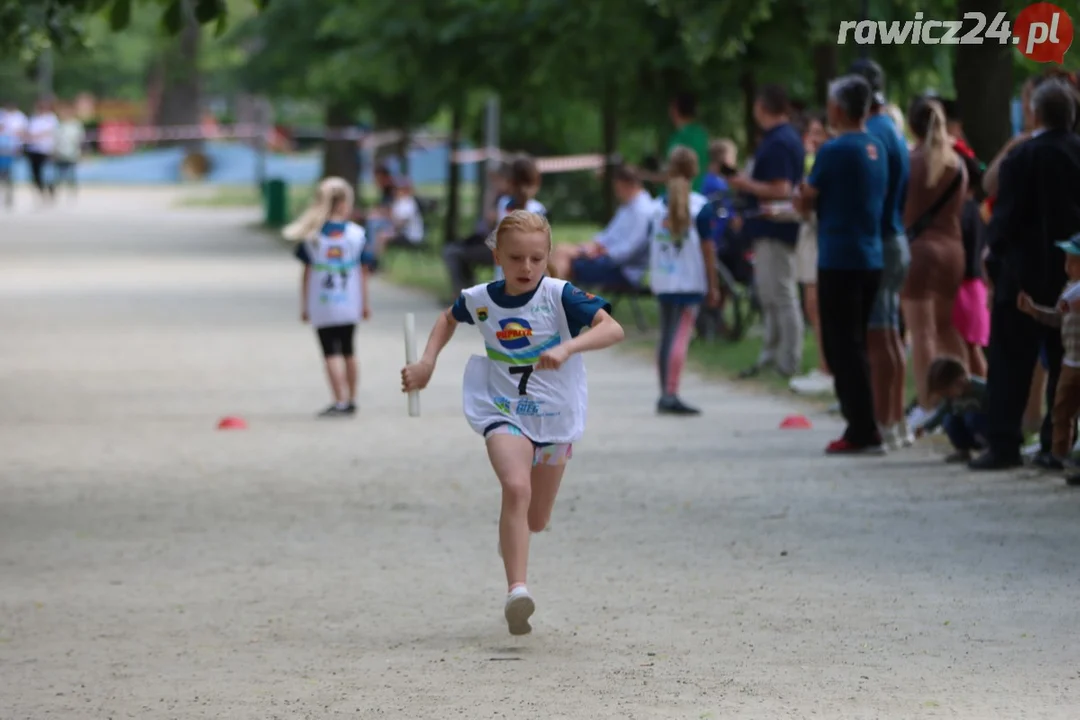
{"x":682,"y":272}
{"x":334,"y":285}
{"x":1066,"y":315}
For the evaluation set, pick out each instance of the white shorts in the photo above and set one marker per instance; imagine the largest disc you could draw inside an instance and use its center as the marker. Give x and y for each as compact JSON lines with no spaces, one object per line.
{"x":806,"y":254}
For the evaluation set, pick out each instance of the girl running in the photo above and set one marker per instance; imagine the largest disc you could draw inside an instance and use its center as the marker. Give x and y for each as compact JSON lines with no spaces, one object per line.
{"x":682,"y":272}
{"x":334,"y":284}
{"x":524,"y":185}
{"x":527,"y":396}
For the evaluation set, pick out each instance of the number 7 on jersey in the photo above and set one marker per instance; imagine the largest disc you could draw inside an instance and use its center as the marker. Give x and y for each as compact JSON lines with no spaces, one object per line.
{"x":525,"y":371}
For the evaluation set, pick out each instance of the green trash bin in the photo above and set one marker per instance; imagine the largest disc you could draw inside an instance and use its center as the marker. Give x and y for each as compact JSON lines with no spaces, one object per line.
{"x":276,"y":202}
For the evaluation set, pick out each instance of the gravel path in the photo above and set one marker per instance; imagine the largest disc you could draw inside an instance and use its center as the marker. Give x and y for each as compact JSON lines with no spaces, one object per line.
{"x":153,"y":567}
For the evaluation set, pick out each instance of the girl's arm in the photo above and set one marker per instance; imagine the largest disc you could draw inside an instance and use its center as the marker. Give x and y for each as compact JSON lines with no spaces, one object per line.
{"x":417,"y":375}
{"x":440,"y":335}
{"x":708,"y":253}
{"x":604,"y":332}
{"x":365,"y":274}
{"x":305,"y":279}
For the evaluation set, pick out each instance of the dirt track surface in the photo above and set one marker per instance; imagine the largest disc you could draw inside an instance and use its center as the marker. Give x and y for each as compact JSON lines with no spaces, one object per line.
{"x":153,"y":567}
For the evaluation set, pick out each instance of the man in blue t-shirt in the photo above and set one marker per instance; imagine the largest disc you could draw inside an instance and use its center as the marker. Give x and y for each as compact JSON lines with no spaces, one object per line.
{"x":848,"y":186}
{"x":884,"y":339}
{"x":778,"y":168}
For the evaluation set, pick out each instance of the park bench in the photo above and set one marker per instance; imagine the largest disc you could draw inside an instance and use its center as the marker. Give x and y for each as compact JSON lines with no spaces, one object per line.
{"x":629,"y":293}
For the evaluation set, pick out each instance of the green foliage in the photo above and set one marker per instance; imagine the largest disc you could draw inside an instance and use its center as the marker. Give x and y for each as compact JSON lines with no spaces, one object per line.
{"x":29,"y":26}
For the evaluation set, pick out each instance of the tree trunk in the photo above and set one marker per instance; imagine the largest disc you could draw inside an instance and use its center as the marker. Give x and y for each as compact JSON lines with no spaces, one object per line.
{"x":341,"y":158}
{"x":453,"y":174}
{"x":180,"y":88}
{"x":609,"y":118}
{"x":826,"y":63}
{"x":983,"y":75}
{"x":403,"y":152}
{"x":748,"y":87}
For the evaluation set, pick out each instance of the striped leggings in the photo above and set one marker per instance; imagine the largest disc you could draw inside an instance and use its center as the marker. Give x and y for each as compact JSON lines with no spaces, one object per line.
{"x":676,"y":331}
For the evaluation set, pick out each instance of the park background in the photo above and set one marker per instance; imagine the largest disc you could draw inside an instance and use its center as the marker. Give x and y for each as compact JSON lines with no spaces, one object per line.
{"x":545,"y":77}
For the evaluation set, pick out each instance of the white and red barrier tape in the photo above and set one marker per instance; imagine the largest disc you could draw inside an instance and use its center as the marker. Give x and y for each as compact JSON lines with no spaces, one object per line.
{"x":124,"y":133}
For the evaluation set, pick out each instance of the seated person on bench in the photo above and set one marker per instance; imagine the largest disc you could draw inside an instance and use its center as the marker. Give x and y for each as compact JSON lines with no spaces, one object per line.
{"x":406,"y":221}
{"x":619,"y":255}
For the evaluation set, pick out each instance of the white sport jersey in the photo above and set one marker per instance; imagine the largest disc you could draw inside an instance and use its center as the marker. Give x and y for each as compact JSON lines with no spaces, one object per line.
{"x":533,"y":206}
{"x":334,"y":288}
{"x":548,"y":406}
{"x":677,"y":269}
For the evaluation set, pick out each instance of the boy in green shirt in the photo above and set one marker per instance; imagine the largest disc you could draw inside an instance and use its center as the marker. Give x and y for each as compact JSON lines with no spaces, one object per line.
{"x":683,"y":113}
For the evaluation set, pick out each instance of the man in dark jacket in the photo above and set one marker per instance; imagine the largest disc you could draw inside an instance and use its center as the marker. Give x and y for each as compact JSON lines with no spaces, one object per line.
{"x":1037,"y":206}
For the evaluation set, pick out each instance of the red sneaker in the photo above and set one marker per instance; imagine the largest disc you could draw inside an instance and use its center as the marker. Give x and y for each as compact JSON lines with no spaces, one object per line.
{"x":843,"y":447}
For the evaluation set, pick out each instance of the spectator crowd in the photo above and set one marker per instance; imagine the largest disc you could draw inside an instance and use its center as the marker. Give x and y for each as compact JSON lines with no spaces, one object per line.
{"x":51,"y":139}
{"x":897,"y":254}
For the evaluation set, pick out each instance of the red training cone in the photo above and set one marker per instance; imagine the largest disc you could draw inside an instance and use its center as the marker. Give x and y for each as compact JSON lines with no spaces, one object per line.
{"x":232,"y":423}
{"x":795,"y":422}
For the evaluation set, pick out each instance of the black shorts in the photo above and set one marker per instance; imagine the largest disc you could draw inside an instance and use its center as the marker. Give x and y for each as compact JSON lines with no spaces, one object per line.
{"x":337,"y":340}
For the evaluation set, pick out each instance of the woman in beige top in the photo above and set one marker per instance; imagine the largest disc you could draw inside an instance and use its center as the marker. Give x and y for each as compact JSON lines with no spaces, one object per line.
{"x":937,"y":253}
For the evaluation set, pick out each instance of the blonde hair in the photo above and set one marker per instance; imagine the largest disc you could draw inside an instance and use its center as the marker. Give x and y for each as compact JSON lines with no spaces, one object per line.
{"x":519,"y":221}
{"x":682,"y":169}
{"x":939,"y":148}
{"x":720,"y":149}
{"x":331,"y":194}
{"x":897,"y":116}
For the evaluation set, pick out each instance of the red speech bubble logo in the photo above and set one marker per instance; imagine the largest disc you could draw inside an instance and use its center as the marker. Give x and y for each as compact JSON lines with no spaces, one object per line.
{"x":1043,"y":32}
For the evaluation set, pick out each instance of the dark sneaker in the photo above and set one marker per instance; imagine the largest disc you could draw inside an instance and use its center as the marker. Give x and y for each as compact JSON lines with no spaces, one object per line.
{"x":334,"y":411}
{"x":751,"y":372}
{"x":843,"y":447}
{"x":675,"y":406}
{"x":1073,"y":480}
{"x":1046,"y":461}
{"x":960,"y":456}
{"x":991,"y":460}
{"x":350,"y":409}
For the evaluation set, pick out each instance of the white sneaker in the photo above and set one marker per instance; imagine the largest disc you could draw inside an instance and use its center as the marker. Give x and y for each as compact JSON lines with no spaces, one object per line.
{"x":904,"y":434}
{"x":519,"y":608}
{"x":814,"y":382}
{"x":918,"y":416}
{"x":889,"y":438}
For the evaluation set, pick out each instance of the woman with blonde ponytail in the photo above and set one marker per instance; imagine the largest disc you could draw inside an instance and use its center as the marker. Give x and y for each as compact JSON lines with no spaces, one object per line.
{"x":936,"y":191}
{"x":682,"y":272}
{"x":334,"y":287}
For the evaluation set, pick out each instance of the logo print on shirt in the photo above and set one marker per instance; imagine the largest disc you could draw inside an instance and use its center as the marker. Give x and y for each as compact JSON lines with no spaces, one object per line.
{"x":481,"y":313}
{"x":515,"y":333}
{"x":334,"y":253}
{"x":871,"y":151}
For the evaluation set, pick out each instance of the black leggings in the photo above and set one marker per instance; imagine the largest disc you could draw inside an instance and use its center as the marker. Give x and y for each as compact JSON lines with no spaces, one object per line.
{"x":38,"y":161}
{"x":676,"y":330}
{"x":337,"y":340}
{"x":845,"y":300}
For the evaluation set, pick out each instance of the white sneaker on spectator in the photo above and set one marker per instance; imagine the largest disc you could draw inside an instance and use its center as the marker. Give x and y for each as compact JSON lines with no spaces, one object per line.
{"x":889,"y":437}
{"x":918,"y":416}
{"x":904,"y":434}
{"x":814,"y":382}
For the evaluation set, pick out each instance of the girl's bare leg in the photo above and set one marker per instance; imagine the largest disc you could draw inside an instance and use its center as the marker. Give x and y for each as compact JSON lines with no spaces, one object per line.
{"x":335,"y":374}
{"x":545,"y":486}
{"x":352,"y":377}
{"x":512,"y":457}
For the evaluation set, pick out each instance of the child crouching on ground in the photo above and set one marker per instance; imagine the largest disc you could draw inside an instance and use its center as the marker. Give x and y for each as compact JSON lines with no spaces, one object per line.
{"x":962,"y":412}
